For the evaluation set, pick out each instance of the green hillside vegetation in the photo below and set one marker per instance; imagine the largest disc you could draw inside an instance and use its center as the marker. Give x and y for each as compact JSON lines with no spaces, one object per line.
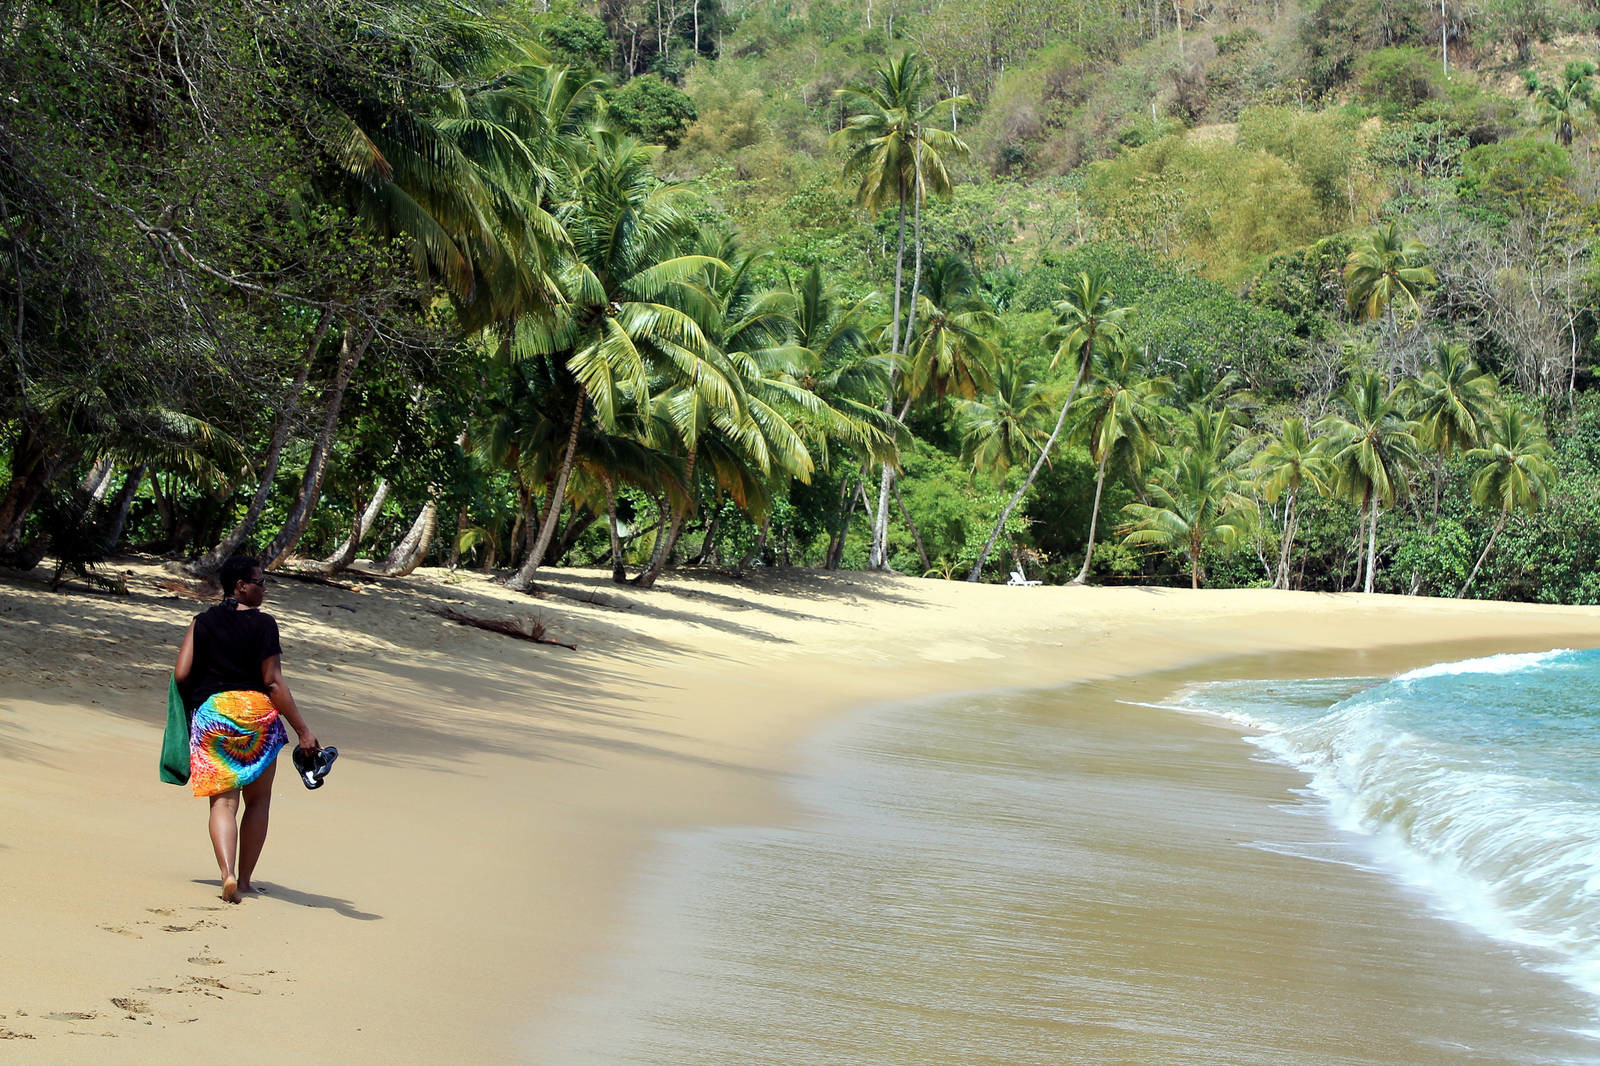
{"x":1296,"y":294}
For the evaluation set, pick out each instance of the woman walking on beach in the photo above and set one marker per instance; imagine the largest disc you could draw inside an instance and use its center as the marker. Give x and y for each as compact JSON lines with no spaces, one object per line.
{"x":229,"y":667}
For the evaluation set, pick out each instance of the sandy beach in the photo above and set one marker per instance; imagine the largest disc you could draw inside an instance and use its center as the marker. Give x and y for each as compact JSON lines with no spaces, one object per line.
{"x":461,"y":880}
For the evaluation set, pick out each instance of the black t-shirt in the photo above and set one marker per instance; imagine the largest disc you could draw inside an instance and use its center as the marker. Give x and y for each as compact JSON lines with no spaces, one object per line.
{"x":229,"y":647}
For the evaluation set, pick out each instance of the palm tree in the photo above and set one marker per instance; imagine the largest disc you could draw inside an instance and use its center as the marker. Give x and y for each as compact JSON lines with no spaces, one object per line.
{"x":899,"y":156}
{"x":1383,"y":269}
{"x":1370,"y":449}
{"x":1005,"y":425}
{"x":622,"y":328}
{"x":1118,"y":415}
{"x":1516,"y":474}
{"x":1562,"y":103}
{"x":1453,"y":404}
{"x":1288,"y":464}
{"x":1086,"y":316}
{"x":1195,"y":507}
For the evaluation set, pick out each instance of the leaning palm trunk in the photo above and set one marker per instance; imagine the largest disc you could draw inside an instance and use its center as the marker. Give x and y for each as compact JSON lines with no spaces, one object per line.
{"x":365,"y":520}
{"x":1094,"y":518}
{"x":1038,"y":464}
{"x":1500,"y":524}
{"x":414,"y":546}
{"x":523,"y":578}
{"x":664,"y":545}
{"x":120,"y":505}
{"x":311,"y":484}
{"x":916,"y":537}
{"x":212,"y":561}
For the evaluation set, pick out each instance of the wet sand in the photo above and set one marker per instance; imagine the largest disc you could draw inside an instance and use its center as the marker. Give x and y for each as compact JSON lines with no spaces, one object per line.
{"x":461,"y":881}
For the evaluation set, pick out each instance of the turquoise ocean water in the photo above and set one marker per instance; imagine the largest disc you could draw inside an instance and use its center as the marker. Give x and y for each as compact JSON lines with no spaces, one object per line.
{"x":1476,"y":781}
{"x":958,"y":885}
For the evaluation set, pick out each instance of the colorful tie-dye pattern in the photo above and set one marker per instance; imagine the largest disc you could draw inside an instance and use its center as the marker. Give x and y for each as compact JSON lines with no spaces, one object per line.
{"x":234,"y":737}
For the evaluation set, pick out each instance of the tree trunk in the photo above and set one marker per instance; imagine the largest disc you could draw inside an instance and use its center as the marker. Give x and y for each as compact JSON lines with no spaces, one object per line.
{"x":212,"y":561}
{"x":877,"y":556}
{"x":454,"y":559}
{"x":760,"y":549}
{"x":709,"y":544}
{"x":1372,"y":547}
{"x":98,"y":479}
{"x":663,"y":552}
{"x":120,"y":506}
{"x":1094,"y":517}
{"x":1500,"y":524}
{"x":346,"y":554}
{"x":523,"y":578}
{"x":35,"y":462}
{"x":830,"y":560}
{"x":413,"y":547}
{"x":1038,"y":464}
{"x":916,"y":538}
{"x":311,"y":484}
{"x":619,"y":568}
{"x":1291,"y":518}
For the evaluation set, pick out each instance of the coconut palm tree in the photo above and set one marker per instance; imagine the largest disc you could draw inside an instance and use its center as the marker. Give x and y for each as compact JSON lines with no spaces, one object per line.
{"x":1287,"y":465}
{"x":899,"y":155}
{"x":1119,"y":416}
{"x":1195,"y":506}
{"x":1006,"y":424}
{"x":626,"y":323}
{"x":1516,"y":474}
{"x":1385,"y":268}
{"x":1371,"y":448}
{"x":1087,"y":316}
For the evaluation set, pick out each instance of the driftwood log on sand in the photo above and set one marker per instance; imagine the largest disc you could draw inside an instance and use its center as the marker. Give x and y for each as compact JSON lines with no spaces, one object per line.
{"x":530,"y":630}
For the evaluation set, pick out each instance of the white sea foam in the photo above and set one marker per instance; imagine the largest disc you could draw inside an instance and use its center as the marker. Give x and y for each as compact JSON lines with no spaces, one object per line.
{"x":1504,"y":663}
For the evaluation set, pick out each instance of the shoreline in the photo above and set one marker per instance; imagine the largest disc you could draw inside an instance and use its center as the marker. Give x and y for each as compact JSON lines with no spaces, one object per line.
{"x":1412,"y":984}
{"x":466,"y":861}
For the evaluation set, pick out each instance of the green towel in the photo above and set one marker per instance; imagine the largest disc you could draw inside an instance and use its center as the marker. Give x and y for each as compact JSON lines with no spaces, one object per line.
{"x":175,"y":741}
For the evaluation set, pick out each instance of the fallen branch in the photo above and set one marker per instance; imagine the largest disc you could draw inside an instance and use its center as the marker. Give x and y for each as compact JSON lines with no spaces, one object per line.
{"x":534,"y":632}
{"x":316,"y":579}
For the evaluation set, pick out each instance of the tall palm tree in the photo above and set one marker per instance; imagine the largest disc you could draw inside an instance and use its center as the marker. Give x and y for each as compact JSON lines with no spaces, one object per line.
{"x":623,"y":326}
{"x":1118,"y":415}
{"x":1086,"y":316}
{"x":1195,"y":506}
{"x":899,"y":156}
{"x":1562,"y":102}
{"x":1453,"y":404}
{"x":1287,"y":465}
{"x":1385,"y":268}
{"x":1516,"y":474}
{"x":1371,"y":448}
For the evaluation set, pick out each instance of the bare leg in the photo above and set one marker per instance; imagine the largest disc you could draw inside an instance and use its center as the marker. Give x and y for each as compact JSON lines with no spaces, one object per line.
{"x":225,"y":840}
{"x":253,"y":826}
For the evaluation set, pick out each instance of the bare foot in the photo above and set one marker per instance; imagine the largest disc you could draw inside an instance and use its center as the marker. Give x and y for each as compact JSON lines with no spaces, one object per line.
{"x":247,"y":889}
{"x":230,"y":889}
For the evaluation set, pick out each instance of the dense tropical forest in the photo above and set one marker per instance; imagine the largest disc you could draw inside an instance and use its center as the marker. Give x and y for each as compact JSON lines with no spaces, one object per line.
{"x":1292,"y":293}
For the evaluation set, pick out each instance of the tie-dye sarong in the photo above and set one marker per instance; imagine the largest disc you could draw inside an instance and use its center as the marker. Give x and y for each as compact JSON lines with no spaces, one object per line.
{"x":233,"y":738}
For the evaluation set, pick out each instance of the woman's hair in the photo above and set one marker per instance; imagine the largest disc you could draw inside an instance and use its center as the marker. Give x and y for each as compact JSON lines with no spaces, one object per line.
{"x":236,"y":568}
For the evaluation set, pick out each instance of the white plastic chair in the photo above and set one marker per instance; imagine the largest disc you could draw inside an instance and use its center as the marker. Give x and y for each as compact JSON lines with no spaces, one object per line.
{"x":1018,"y":578}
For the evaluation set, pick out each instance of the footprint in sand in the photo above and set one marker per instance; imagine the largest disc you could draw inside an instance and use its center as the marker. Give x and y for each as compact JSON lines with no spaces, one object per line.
{"x":132,"y":1006}
{"x":204,"y":960}
{"x":164,"y":912}
{"x":120,"y":931}
{"x":69,"y":1016}
{"x":237,"y":986}
{"x":201,"y":924}
{"x":12,"y":1034}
